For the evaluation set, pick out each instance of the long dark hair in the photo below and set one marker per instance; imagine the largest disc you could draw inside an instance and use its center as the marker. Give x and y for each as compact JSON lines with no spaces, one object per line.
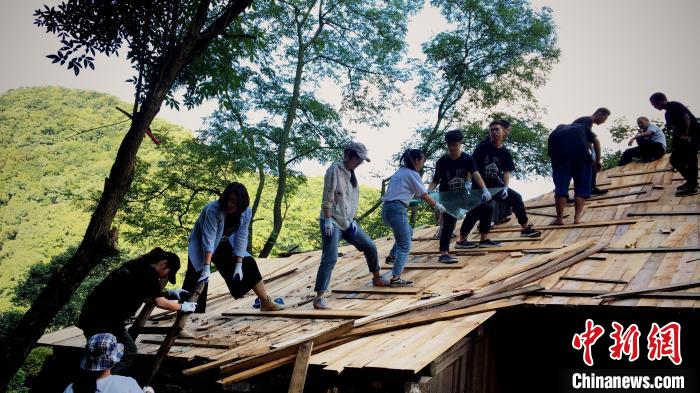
{"x":86,"y":381}
{"x":349,"y":154}
{"x":409,"y":156}
{"x":240,"y":194}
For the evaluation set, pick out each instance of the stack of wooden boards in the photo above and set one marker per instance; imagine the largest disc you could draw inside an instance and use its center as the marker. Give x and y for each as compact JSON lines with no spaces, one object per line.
{"x":639,"y":246}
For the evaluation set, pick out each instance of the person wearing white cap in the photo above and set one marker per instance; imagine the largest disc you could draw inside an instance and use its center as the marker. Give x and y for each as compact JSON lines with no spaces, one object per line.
{"x":341,"y":195}
{"x":102,"y":352}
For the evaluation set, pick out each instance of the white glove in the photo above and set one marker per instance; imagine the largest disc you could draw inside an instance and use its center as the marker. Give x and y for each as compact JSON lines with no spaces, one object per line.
{"x":328,"y":227}
{"x":148,"y":389}
{"x":179,"y":293}
{"x":353,"y":227}
{"x":206,"y":272}
{"x":440,"y":207}
{"x":188,"y":307}
{"x":238,"y":272}
{"x":504,"y":193}
{"x":486,"y":196}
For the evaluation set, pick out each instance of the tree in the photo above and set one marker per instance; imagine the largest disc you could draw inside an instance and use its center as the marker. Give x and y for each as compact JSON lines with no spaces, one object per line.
{"x":497,"y":52}
{"x":168,"y":42}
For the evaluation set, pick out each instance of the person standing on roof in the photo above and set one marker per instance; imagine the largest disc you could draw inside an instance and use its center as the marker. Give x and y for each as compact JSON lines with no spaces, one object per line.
{"x":495,"y":163}
{"x":651,"y":143}
{"x":454,"y":172}
{"x":404,"y":184}
{"x":568,"y":147}
{"x":598,"y":117}
{"x":121,"y":294}
{"x":684,"y":143}
{"x":341,"y":195}
{"x":220,"y":236}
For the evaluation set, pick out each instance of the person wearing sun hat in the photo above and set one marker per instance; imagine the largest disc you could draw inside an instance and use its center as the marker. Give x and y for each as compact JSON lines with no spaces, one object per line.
{"x":102,"y":353}
{"x":121,"y":294}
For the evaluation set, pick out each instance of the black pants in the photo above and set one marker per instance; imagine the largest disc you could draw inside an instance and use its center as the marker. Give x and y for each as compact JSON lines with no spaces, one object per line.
{"x":225,"y":263}
{"x":481,"y":213}
{"x":501,"y":211}
{"x":646,"y":150}
{"x":685,"y":159}
{"x":123,"y":337}
{"x":514,"y":200}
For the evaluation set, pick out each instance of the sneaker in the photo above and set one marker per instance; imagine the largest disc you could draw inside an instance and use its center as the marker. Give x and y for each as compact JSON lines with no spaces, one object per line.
{"x":489,"y":243}
{"x":464,"y":244}
{"x":256,"y":303}
{"x":380,"y":282}
{"x":320,"y":303}
{"x":530,"y":232}
{"x":448,"y":259}
{"x":598,"y":191}
{"x":400,"y":282}
{"x":270,"y":305}
{"x":688,"y":191}
{"x":682,"y":187}
{"x":390,"y":259}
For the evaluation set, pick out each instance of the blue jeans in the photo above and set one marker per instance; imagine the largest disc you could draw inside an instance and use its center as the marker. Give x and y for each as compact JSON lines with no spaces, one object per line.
{"x":395,"y":215}
{"x":329,"y":255}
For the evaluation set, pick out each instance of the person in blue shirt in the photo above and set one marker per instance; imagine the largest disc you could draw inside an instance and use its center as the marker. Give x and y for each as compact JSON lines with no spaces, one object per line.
{"x":220,"y":236}
{"x":651,"y":143}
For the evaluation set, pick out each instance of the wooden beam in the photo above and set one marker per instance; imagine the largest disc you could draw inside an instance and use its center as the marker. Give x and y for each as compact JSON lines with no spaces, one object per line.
{"x":659,"y":213}
{"x":651,"y":249}
{"x":628,"y":185}
{"x":379,"y":290}
{"x":593,"y":279}
{"x":308,"y":314}
{"x":568,"y":226}
{"x":511,"y":239}
{"x":633,"y":292}
{"x":592,"y":293}
{"x":301,"y":365}
{"x":189,"y":342}
{"x":635,"y":173}
{"x":493,"y":249}
{"x":598,"y":198}
{"x":618,"y":203}
{"x":544,"y":214}
{"x":430,"y":265}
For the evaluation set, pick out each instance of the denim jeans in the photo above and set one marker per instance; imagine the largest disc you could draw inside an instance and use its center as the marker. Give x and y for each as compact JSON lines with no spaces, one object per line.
{"x":395,"y":215}
{"x":329,"y":255}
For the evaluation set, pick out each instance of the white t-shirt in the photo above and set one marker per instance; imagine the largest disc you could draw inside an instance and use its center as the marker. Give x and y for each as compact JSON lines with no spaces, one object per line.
{"x":114,"y":384}
{"x":404,"y":184}
{"x":658,"y":135}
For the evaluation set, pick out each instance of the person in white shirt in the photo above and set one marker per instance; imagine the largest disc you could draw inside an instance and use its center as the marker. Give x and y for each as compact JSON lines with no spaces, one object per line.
{"x":651,"y":143}
{"x":102,"y":352}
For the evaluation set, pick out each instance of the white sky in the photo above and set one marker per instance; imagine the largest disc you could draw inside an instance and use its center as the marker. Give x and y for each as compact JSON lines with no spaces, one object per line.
{"x":614,"y":54}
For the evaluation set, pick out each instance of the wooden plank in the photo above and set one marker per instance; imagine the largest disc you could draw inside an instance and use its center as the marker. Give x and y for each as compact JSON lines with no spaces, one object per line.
{"x":544,"y":214}
{"x":618,"y":203}
{"x":510,"y":239}
{"x":662,"y":213}
{"x":381,"y":290}
{"x":626,"y":185}
{"x":429,"y":265}
{"x":635,"y":173}
{"x":313,"y":314}
{"x":592,"y":293}
{"x":569,"y":226}
{"x":633,"y":292}
{"x":508,"y":248}
{"x":651,"y":249}
{"x":598,"y":198}
{"x":301,"y":365}
{"x":193,"y":343}
{"x":593,"y":279}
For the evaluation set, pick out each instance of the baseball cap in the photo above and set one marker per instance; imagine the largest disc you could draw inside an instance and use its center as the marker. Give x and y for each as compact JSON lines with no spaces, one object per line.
{"x":360,"y":149}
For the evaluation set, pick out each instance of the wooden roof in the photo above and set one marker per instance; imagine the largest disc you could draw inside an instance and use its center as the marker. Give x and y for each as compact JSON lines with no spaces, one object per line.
{"x":232,"y":330}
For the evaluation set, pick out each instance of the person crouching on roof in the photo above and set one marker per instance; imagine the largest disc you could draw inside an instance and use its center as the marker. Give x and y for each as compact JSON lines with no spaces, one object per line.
{"x":220,"y":236}
{"x":339,"y":204}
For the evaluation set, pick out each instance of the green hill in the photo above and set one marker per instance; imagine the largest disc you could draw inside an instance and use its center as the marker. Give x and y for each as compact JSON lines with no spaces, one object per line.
{"x":47,"y":177}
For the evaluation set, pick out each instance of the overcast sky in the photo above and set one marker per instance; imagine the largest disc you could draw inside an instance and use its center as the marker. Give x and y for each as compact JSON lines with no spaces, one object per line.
{"x":615,"y":53}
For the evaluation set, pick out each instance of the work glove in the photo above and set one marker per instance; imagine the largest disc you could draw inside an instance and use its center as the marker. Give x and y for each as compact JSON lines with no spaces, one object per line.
{"x":188,"y":307}
{"x":504,"y":193}
{"x":206,"y":272}
{"x":178,"y":293}
{"x":353,"y":228}
{"x":238,"y":272}
{"x":486,"y":196}
{"x":328,"y":227}
{"x":440,"y":207}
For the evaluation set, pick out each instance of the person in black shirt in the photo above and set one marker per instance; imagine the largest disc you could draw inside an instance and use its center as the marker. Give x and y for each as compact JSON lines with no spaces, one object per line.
{"x":121,"y":293}
{"x":453,"y":172}
{"x":568,"y":147}
{"x":599,"y":117}
{"x":495,"y":163}
{"x":684,"y":141}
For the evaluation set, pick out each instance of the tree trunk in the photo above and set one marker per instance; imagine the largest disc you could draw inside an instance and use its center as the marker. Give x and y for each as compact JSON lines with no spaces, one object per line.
{"x":96,"y":244}
{"x":256,"y":204}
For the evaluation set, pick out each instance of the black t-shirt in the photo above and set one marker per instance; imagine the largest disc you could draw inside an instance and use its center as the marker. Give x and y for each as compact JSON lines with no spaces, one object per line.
{"x":492,"y":162}
{"x":570,"y":142}
{"x":119,"y":296}
{"x":451,"y":174}
{"x":675,"y":119}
